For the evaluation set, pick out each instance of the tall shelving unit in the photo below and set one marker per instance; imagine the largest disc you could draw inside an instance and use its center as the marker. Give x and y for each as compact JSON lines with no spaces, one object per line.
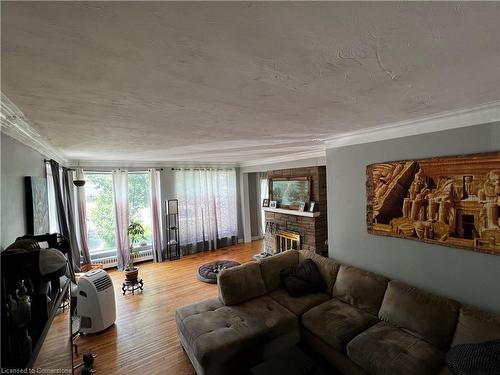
{"x":172,"y":221}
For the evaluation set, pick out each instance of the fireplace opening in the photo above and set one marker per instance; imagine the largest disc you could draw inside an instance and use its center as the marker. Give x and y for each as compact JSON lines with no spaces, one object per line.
{"x":287,"y":240}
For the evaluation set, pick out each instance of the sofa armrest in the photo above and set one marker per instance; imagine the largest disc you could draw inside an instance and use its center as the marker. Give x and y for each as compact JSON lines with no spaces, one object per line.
{"x":241,"y":283}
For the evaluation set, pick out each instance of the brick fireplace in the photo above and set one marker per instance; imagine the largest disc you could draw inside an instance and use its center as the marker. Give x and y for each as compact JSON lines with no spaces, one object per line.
{"x":312,"y":227}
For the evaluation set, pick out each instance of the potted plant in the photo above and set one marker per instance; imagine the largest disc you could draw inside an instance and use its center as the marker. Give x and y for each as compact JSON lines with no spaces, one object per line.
{"x":136,"y":234}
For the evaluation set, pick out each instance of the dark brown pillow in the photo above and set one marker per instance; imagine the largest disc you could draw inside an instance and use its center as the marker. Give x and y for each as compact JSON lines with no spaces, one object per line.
{"x":302,"y":279}
{"x":482,"y":358}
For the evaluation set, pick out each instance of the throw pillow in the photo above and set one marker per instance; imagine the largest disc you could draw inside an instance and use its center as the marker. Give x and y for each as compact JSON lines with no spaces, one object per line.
{"x":482,"y":358}
{"x":302,"y":279}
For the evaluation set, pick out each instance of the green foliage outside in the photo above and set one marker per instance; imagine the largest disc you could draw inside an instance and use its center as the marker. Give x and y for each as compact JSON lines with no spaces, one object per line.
{"x":101,"y":212}
{"x":138,"y":197}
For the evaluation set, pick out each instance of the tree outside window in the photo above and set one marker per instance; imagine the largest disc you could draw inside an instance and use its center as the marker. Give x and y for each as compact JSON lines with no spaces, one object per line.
{"x":100,"y":212}
{"x":139,"y":202}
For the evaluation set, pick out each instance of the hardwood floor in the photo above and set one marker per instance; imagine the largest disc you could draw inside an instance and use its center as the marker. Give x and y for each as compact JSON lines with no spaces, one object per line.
{"x":144,"y":339}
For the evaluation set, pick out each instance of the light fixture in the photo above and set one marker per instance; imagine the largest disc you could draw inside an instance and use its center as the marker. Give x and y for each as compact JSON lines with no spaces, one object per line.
{"x":79,"y":181}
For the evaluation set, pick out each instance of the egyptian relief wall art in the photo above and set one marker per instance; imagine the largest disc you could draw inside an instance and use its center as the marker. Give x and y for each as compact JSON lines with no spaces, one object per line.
{"x":451,"y":201}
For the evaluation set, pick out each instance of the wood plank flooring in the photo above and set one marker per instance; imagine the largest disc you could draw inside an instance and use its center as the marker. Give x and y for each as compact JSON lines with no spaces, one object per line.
{"x":144,"y":339}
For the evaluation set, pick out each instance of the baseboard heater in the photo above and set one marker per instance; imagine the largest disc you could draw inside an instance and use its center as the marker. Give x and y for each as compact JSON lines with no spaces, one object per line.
{"x":112,"y":261}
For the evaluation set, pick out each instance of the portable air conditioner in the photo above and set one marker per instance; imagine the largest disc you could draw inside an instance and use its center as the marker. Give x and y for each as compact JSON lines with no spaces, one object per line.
{"x":95,"y":301}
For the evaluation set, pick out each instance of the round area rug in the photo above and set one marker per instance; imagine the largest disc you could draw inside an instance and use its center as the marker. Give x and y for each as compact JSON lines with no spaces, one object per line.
{"x":208,"y":272}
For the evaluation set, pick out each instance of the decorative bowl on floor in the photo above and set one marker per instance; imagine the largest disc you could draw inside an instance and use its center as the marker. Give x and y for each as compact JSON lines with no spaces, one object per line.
{"x":209,"y":271}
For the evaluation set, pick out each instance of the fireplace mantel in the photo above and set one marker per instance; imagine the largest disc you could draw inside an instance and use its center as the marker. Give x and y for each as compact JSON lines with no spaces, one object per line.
{"x":291,"y":212}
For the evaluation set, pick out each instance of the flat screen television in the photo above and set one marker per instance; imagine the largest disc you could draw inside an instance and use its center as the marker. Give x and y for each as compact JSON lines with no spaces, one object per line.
{"x":290,"y":192}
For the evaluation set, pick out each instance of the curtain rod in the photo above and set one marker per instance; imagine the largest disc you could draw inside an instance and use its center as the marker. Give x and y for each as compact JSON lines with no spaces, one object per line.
{"x":119,"y":169}
{"x":90,"y":169}
{"x":108,"y":171}
{"x":62,"y":166}
{"x":203,"y":169}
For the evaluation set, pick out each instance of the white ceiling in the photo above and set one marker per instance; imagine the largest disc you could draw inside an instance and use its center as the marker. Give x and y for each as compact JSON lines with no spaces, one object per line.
{"x":239,"y":81}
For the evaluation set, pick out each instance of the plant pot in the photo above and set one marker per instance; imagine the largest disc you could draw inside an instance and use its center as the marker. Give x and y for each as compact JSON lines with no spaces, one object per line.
{"x":131,"y":273}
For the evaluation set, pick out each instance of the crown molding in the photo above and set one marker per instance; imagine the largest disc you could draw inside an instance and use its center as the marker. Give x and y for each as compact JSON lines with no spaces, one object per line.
{"x":15,"y":124}
{"x":480,"y":115}
{"x":135,"y":164}
{"x":317,"y":153}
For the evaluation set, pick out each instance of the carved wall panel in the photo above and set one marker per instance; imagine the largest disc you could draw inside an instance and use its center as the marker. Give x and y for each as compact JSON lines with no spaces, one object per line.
{"x":451,"y":201}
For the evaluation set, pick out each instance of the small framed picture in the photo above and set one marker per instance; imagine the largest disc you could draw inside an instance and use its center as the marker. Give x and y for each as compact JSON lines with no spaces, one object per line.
{"x":302,"y":207}
{"x":265,"y":202}
{"x":273,"y":204}
{"x":311,"y":206}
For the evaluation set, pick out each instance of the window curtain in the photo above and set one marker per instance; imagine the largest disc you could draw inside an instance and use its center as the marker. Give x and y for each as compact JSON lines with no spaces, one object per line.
{"x":156,"y":232}
{"x":207,"y":208}
{"x":62,"y":218}
{"x":262,"y":193}
{"x":67,"y":178}
{"x":120,"y":201}
{"x":82,"y":218}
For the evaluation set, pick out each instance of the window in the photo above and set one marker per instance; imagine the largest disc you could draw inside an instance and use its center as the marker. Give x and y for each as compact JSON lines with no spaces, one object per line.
{"x":53,"y":221}
{"x":100,"y":213}
{"x":101,"y":231}
{"x":139,"y":203}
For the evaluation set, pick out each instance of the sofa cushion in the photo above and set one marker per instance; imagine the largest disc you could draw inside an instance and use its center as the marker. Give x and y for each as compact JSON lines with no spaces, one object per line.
{"x":336,"y":322}
{"x":359,"y":288}
{"x":214,"y":334}
{"x":198,"y":308}
{"x":272,"y":266}
{"x":425,"y":315}
{"x":327,"y":267}
{"x":338,"y":359}
{"x":302,"y":279}
{"x":475,"y":326}
{"x":298,"y":305}
{"x":386,"y":350}
{"x":241,"y":283}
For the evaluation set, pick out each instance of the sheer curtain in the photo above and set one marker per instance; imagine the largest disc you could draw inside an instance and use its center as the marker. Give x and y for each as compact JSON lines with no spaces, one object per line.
{"x":207,"y":208}
{"x":120,"y":201}
{"x":156,"y":232}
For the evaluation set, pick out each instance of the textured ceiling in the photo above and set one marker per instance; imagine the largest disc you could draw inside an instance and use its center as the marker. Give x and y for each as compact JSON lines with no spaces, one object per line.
{"x":239,"y":81}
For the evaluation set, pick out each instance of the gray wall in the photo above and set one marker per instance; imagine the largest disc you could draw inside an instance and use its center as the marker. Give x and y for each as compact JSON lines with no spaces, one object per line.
{"x":464,"y":275}
{"x":252,"y":192}
{"x":18,"y":161}
{"x":167,"y":191}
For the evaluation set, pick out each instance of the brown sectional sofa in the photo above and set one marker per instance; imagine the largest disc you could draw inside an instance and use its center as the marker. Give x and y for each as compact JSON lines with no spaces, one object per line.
{"x":362,"y":323}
